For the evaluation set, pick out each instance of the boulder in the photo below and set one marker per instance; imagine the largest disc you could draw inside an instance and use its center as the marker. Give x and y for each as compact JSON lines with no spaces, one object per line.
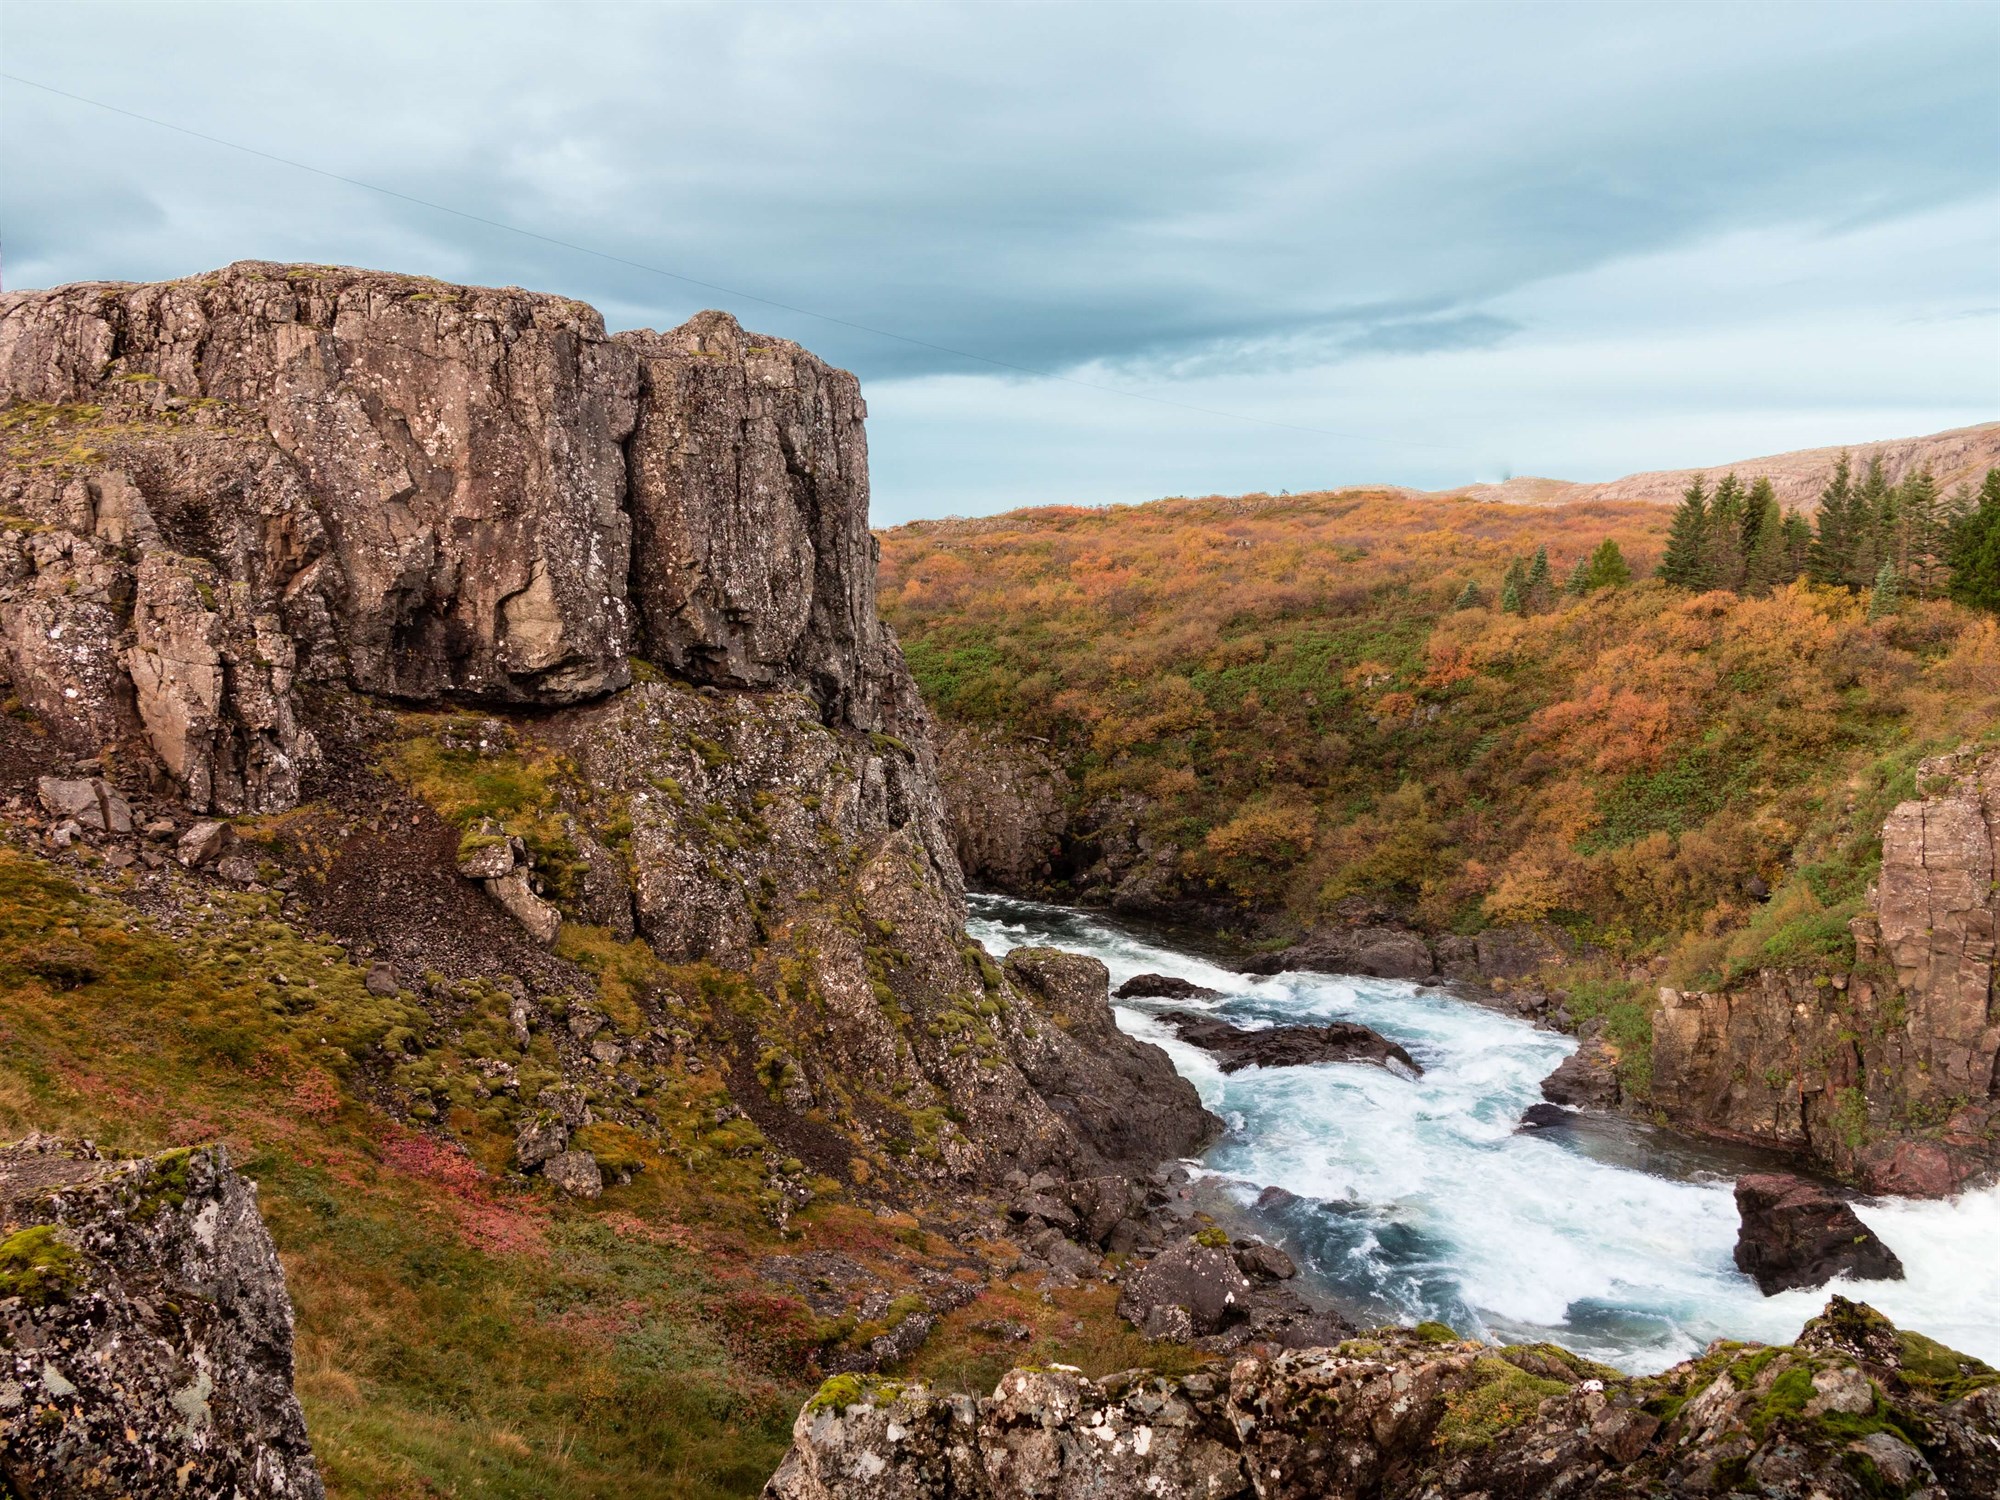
{"x":1264,"y":1262}
{"x":1164,"y":987}
{"x":1288,"y":1046}
{"x":1188,"y":1290}
{"x":203,"y":842}
{"x":1796,"y":1233}
{"x":145,"y":1331}
{"x":576,"y":1173}
{"x":541,"y":1138}
{"x":1587,"y":1078}
{"x":92,"y":802}
{"x":1544,"y":1116}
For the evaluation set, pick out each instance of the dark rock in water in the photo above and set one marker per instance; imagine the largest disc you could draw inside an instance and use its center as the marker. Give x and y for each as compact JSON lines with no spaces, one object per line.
{"x":1587,"y":1078}
{"x":1264,"y":1262}
{"x":1287,"y":1046}
{"x":1543,"y":1116}
{"x":145,"y":1331}
{"x":1380,"y":952}
{"x":1797,"y":1234}
{"x":1164,"y":987}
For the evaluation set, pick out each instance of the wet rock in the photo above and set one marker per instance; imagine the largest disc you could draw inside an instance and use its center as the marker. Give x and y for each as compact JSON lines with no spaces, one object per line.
{"x":145,"y":1331}
{"x":91,"y":803}
{"x":576,"y":1173}
{"x":1587,"y":1078}
{"x":1164,"y":987}
{"x":1264,"y":1262}
{"x":1544,"y":1117}
{"x":1288,"y":1046}
{"x":1381,"y":952}
{"x":1795,"y":1233}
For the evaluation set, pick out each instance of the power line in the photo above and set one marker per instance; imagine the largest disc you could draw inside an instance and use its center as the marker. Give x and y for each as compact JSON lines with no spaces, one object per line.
{"x":711,"y":286}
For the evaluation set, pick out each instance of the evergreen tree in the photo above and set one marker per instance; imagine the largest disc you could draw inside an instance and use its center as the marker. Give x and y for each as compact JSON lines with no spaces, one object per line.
{"x":1974,"y":550}
{"x":1798,"y":545}
{"x":1888,"y":594}
{"x":1766,"y":557}
{"x":1873,"y":513}
{"x":1685,"y":562}
{"x":1725,"y":535}
{"x":1469,"y":597}
{"x":1578,"y":583}
{"x":1539,"y":592}
{"x":1920,"y":519}
{"x":1514,"y":588}
{"x":1832,"y":558}
{"x":1608,"y":569}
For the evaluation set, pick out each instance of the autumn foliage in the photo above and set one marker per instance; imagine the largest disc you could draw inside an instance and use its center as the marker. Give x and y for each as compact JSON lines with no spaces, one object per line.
{"x":1315,"y":698}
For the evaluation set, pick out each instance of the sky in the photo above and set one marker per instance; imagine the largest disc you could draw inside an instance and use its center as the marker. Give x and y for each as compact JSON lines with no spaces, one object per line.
{"x":1091,"y":253}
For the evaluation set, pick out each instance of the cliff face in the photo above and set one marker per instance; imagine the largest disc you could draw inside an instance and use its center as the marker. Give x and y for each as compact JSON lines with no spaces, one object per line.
{"x":1887,"y":1075}
{"x":244,"y":512}
{"x":227,"y":486}
{"x":1007,"y":804}
{"x":145,"y":1334}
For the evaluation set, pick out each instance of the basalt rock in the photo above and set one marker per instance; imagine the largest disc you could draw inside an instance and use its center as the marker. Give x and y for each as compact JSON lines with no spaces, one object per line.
{"x":1008,"y":804}
{"x":238,"y":484}
{"x":1886,"y":1075}
{"x":1795,"y":1233}
{"x":1400,"y":1415}
{"x":1289,"y":1046}
{"x":1587,"y":1078}
{"x":145,"y":1331}
{"x":1164,"y":987}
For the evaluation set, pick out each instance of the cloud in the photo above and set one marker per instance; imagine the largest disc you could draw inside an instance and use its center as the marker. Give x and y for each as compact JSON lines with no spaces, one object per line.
{"x":1236,"y":200}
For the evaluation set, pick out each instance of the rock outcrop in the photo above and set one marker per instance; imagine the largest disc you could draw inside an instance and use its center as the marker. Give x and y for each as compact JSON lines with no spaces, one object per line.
{"x":1854,"y":1408}
{"x":1289,"y":1046}
{"x":145,"y":1332}
{"x":230,"y":486}
{"x":1795,"y":1233}
{"x":1008,"y":805}
{"x":1164,"y":987}
{"x":1885,"y":1075}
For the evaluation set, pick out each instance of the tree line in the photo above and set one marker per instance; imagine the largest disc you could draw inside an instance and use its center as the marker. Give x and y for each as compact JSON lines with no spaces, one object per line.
{"x":1891,"y":541}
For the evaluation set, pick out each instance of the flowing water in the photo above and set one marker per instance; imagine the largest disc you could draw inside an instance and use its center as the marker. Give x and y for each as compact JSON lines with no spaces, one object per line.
{"x":1420,"y":1198}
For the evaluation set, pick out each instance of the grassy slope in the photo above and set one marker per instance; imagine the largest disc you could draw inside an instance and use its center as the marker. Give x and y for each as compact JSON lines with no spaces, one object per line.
{"x":460,"y":1331}
{"x":1286,"y":684}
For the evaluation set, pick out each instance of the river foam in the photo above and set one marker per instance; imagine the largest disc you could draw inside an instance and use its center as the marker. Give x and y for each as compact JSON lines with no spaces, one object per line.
{"x":1420,"y":1198}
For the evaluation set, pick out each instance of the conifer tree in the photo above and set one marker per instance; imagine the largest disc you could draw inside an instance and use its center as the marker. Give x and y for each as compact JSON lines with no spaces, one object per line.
{"x":1538,"y":593}
{"x":1469,"y":597}
{"x":1873,"y":513}
{"x":1578,"y":583}
{"x":1608,"y":568}
{"x":1725,"y":535}
{"x":1514,"y":588}
{"x":1920,"y":519}
{"x":1766,"y":557}
{"x":1888,"y":592}
{"x":1684,"y":564}
{"x":1974,"y":550}
{"x":1832,"y":557}
{"x":1798,"y":545}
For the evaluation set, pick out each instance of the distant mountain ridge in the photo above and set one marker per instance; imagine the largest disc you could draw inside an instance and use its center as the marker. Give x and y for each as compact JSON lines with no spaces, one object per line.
{"x":1958,"y":456}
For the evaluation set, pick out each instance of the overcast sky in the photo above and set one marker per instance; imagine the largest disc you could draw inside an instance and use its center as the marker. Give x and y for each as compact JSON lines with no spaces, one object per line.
{"x":1454,"y":241}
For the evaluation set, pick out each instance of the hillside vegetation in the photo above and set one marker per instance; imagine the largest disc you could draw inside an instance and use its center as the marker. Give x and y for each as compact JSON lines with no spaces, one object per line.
{"x":1468,"y":713}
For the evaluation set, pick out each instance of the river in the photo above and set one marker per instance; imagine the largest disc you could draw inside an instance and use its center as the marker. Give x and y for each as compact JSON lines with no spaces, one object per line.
{"x":1420,"y":1198}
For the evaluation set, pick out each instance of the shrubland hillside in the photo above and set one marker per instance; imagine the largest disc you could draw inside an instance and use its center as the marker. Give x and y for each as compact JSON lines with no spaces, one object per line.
{"x":1275,"y":712}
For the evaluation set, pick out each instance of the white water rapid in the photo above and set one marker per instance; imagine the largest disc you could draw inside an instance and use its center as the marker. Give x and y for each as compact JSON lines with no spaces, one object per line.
{"x":1421,"y":1199}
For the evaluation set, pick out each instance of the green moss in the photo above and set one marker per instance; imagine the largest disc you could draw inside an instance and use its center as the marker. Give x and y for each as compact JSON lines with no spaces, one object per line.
{"x":38,"y":1266}
{"x":1436,"y":1333}
{"x":1213,"y":1237}
{"x":165,"y":1183}
{"x":1504,"y":1397}
{"x":1941,"y":1372}
{"x":839,"y":1392}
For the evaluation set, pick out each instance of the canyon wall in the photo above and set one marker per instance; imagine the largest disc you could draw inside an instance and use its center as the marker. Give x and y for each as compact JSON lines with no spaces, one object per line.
{"x":246,"y":515}
{"x":1885,"y":1075}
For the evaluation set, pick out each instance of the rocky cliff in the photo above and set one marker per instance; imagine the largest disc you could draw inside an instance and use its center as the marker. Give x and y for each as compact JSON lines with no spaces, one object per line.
{"x":1885,"y":1075}
{"x":145,"y":1334}
{"x":1854,"y":1408}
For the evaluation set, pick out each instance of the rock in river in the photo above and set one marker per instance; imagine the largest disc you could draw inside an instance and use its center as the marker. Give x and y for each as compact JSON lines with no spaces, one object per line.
{"x":1287,"y":1046}
{"x":1795,"y":1233}
{"x":1164,"y":987}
